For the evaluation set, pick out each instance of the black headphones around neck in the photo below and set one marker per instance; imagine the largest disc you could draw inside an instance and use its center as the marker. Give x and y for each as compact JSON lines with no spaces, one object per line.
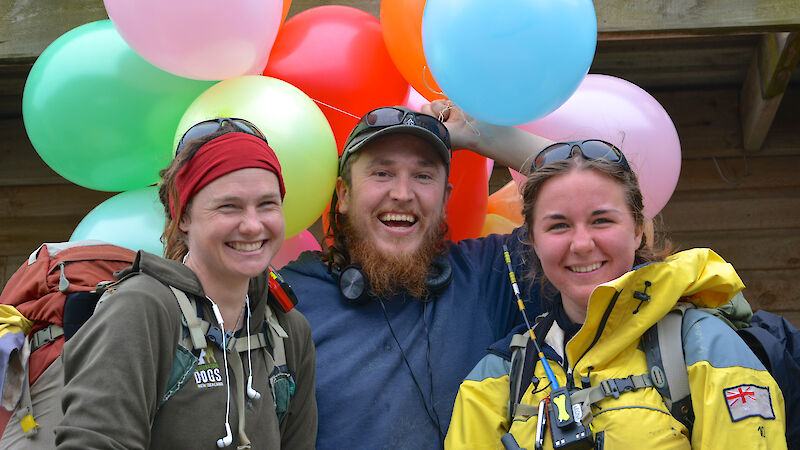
{"x":354,"y":286}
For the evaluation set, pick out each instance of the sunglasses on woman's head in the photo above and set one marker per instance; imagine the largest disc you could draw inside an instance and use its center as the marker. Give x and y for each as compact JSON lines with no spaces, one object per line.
{"x":213,"y":125}
{"x":590,"y":149}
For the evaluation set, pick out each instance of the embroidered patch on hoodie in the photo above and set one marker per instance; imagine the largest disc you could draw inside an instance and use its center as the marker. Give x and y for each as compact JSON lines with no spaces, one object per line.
{"x":748,"y":400}
{"x":207,"y":374}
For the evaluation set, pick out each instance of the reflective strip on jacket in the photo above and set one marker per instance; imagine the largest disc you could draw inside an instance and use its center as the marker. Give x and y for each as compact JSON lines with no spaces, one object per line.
{"x":722,"y":370}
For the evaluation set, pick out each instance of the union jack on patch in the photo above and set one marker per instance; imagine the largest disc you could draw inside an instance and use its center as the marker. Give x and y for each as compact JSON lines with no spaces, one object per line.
{"x":748,"y":400}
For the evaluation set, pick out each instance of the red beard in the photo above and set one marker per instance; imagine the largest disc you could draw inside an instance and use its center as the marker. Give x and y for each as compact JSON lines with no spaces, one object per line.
{"x":392,"y":273}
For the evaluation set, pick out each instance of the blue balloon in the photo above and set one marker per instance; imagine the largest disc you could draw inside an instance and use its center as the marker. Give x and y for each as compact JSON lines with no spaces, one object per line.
{"x":509,"y":62}
{"x":133,"y":219}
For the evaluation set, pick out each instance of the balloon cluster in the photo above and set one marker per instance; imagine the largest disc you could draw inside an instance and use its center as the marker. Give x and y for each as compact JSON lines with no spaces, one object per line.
{"x":106,"y":102}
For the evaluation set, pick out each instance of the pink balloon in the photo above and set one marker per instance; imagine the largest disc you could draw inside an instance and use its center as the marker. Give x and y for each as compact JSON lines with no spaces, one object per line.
{"x":414,"y":99}
{"x":617,"y":111}
{"x":292,"y":248}
{"x":518,"y":178}
{"x":200,"y":39}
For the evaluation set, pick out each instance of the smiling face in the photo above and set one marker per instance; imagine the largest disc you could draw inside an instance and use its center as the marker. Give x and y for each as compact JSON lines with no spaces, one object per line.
{"x":584,"y":235}
{"x":234,"y":226}
{"x":397,"y":193}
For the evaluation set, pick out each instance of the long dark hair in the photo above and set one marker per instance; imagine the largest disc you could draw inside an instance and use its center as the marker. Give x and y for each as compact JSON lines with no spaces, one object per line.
{"x":655,"y":249}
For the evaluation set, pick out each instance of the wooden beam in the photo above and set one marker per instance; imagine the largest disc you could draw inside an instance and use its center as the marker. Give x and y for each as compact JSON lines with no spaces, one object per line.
{"x":617,"y":18}
{"x":766,"y":81}
{"x":27,"y":27}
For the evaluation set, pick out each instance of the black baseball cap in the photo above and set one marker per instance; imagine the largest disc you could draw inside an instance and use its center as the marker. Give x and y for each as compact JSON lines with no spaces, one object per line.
{"x":398,"y":119}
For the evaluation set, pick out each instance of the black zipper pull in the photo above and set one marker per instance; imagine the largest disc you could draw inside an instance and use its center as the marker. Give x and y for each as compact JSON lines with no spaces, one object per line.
{"x":641,"y":296}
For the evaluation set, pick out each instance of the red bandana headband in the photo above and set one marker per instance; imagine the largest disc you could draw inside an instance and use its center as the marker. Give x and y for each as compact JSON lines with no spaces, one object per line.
{"x":221,"y":156}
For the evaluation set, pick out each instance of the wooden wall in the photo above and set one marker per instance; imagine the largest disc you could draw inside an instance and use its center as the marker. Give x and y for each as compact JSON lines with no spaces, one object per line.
{"x":36,"y":204}
{"x":754,"y":224}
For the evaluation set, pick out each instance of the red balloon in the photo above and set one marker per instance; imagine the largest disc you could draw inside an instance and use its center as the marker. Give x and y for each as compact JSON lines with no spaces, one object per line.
{"x":466,"y":210}
{"x":336,"y":55}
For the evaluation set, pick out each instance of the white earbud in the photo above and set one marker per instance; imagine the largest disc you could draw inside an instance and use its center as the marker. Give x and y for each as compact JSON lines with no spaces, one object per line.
{"x":227,"y":439}
{"x":218,"y":315}
{"x":252,"y":393}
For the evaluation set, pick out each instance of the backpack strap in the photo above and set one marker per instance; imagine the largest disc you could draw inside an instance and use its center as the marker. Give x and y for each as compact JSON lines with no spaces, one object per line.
{"x":196,"y":333}
{"x":46,"y":335}
{"x":25,"y":408}
{"x":608,"y":388}
{"x":277,"y":334}
{"x":200,"y":331}
{"x":519,"y":343}
{"x":663,"y":346}
{"x":523,"y":365}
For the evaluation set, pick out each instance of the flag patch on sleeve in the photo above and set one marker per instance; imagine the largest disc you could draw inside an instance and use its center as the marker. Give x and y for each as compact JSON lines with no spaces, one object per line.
{"x":748,"y":400}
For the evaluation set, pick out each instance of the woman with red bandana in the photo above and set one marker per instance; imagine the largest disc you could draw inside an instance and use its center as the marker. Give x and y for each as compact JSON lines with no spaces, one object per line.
{"x":148,"y":369}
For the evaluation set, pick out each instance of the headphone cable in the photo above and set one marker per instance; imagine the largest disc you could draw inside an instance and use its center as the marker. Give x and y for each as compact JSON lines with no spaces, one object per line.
{"x":435,"y":421}
{"x":430,"y":370}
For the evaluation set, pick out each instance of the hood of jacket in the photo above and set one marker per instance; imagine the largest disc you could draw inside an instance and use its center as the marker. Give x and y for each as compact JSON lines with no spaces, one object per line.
{"x":620,"y":311}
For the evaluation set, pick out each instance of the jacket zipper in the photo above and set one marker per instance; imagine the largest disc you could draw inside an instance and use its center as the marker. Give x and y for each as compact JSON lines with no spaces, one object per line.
{"x":603,"y":321}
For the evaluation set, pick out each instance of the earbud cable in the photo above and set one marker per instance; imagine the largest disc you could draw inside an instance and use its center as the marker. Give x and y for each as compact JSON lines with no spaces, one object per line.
{"x":435,"y":421}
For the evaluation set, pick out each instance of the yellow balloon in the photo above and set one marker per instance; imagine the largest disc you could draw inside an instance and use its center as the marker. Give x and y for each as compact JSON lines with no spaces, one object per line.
{"x":295,"y":128}
{"x":496,"y":223}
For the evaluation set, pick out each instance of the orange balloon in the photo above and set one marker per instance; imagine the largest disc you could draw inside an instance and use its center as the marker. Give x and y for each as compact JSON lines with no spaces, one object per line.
{"x":401,"y":21}
{"x":286,"y":5}
{"x":466,"y":210}
{"x":326,"y":223}
{"x":507,"y":202}
{"x":497,"y":224}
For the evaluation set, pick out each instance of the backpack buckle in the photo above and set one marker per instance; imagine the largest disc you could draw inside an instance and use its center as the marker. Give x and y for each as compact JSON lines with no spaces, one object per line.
{"x":615,"y":386}
{"x":45,"y":336}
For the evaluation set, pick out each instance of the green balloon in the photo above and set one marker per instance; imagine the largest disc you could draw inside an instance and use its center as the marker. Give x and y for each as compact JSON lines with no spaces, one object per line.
{"x":100,"y":115}
{"x":295,"y":128}
{"x":133,"y":219}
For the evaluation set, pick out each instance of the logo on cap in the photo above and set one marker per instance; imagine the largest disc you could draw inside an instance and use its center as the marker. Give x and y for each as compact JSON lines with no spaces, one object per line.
{"x":409,"y":120}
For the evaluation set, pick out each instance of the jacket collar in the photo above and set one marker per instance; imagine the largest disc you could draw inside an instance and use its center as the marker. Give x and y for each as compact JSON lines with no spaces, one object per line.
{"x":620,"y":311}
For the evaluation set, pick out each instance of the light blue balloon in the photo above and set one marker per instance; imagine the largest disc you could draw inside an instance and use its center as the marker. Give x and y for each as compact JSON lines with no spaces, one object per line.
{"x":509,"y":62}
{"x":133,"y":219}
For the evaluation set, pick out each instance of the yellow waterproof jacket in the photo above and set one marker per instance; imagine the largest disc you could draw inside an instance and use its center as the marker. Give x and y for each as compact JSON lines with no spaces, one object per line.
{"x":737,"y":404}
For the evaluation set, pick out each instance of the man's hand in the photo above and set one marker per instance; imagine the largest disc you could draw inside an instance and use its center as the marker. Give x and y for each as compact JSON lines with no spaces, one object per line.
{"x":463,"y":135}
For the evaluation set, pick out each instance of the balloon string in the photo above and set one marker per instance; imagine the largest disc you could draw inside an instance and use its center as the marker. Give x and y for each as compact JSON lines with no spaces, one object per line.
{"x":450,"y":105}
{"x":467,"y":119}
{"x":724,"y":178}
{"x":337,"y":109}
{"x":425,"y":82}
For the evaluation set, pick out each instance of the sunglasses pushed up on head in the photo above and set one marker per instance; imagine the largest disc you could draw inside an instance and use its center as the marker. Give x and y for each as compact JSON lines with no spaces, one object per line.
{"x":590,"y":149}
{"x":390,"y":116}
{"x":213,"y":125}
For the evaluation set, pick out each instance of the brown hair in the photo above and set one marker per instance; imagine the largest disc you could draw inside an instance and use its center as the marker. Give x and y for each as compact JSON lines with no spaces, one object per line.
{"x":335,"y":246}
{"x":656,"y":248}
{"x":173,"y":238}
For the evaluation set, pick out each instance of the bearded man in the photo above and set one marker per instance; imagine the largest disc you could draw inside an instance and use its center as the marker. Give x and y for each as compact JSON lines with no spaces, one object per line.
{"x":400,"y":315}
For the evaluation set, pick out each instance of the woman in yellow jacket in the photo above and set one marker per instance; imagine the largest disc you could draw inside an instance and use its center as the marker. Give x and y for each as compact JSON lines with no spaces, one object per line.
{"x":583,"y":207}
